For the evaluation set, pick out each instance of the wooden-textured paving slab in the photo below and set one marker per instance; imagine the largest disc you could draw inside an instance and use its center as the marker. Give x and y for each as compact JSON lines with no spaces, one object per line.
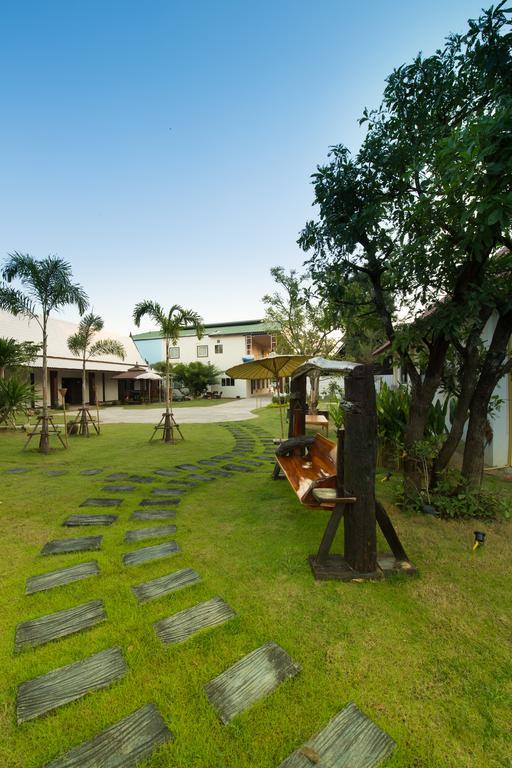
{"x":123,"y":745}
{"x":167,"y":472}
{"x":187,"y":467}
{"x":219,"y":473}
{"x":60,"y":686}
{"x":201,"y":478}
{"x":17,"y":471}
{"x":91,"y":471}
{"x":141,"y":479}
{"x":117,"y":476}
{"x":150,"y":533}
{"x":118,"y":488}
{"x":182,"y":625}
{"x":77,"y":520}
{"x":60,"y":624}
{"x":153,"y":514}
{"x":145,"y":554}
{"x":101,"y":503}
{"x":168,"y":491}
{"x":56,"y":472}
{"x":250,"y":679}
{"x":63,"y":546}
{"x":150,"y":590}
{"x":350,"y":740}
{"x":158,"y":502}
{"x":236,"y":468}
{"x":61,"y":576}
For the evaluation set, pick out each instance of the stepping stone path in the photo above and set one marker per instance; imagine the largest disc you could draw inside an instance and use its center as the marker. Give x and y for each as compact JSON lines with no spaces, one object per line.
{"x":56,"y":472}
{"x":150,"y":553}
{"x":60,"y":624}
{"x":153,"y":514}
{"x":250,"y":679}
{"x":63,"y":546}
{"x":180,"y":626}
{"x":123,"y":745}
{"x":16,"y":471}
{"x":150,"y":590}
{"x":150,"y":533}
{"x":350,"y":740}
{"x":101,"y":503}
{"x":75,"y":520}
{"x":61,"y":576}
{"x":60,"y":686}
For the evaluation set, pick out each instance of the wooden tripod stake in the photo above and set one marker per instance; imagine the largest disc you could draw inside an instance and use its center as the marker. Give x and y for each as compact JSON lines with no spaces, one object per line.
{"x":62,"y":392}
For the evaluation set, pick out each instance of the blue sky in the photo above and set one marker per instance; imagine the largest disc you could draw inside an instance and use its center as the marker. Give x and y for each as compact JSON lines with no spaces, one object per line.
{"x":165,"y":148}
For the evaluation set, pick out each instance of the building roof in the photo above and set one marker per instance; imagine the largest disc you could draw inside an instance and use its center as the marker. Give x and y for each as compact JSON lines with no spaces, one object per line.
{"x":59,"y":356}
{"x":216,"y":329}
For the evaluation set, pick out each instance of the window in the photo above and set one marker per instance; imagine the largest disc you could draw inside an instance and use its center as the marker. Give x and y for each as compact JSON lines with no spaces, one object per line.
{"x":174,"y":353}
{"x":248,"y":345}
{"x":202,"y":350}
{"x":227,"y":382}
{"x":219,"y":349}
{"x":273,"y":343}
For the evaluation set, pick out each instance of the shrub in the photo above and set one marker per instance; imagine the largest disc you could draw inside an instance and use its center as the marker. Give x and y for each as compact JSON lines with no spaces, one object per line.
{"x":453,"y":498}
{"x":16,"y":397}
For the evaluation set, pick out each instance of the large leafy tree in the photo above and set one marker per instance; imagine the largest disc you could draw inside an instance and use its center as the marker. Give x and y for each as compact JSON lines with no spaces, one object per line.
{"x":83,"y":345}
{"x":169,"y":324}
{"x":420,"y":212}
{"x":14,"y":354}
{"x":196,"y":375}
{"x":46,"y":286}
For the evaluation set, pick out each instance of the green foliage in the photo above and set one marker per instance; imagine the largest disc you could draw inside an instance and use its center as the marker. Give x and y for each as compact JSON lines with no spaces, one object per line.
{"x":453,"y":498}
{"x":335,"y":395}
{"x":16,"y":397}
{"x":14,"y":354}
{"x":196,"y":376}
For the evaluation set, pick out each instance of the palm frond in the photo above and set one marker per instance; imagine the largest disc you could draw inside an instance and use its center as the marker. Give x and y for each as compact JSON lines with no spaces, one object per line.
{"x":16,"y":302}
{"x":151,"y":309}
{"x":107,"y":347}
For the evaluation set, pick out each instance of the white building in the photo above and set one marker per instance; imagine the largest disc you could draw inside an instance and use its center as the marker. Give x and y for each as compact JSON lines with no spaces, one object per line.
{"x":64,"y":369}
{"x":223,"y":345}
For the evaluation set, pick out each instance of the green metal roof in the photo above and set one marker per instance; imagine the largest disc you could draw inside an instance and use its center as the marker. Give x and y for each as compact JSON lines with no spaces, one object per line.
{"x":215,"y":329}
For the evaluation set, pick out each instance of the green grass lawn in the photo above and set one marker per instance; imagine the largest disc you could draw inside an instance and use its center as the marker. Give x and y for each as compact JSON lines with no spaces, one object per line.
{"x":428,"y":658}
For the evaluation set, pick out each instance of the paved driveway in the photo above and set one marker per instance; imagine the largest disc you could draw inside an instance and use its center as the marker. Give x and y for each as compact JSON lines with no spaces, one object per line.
{"x":235,"y":410}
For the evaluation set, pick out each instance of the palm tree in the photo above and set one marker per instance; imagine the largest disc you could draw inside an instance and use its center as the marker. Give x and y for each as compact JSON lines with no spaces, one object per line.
{"x":48,"y":286}
{"x":169,"y":324}
{"x":82,"y":345}
{"x":14,"y":354}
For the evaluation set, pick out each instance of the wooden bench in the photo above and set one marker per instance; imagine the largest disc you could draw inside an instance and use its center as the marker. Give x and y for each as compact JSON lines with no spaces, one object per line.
{"x":315,"y":470}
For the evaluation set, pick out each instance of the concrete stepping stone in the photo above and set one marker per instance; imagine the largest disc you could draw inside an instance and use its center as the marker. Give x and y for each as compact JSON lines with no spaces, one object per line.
{"x":91,"y":471}
{"x":187,"y":467}
{"x":251,"y":462}
{"x":63,"y":546}
{"x":60,"y":624}
{"x":350,"y":740}
{"x":208,"y":462}
{"x":168,"y":491}
{"x":56,"y":472}
{"x":158,"y":502}
{"x":153,"y":514}
{"x":17,"y":471}
{"x":182,"y":625}
{"x":150,"y":590}
{"x":155,"y":532}
{"x":117,"y":476}
{"x":141,"y":479}
{"x":146,"y":554}
{"x":60,"y":686}
{"x":118,"y":488}
{"x":249,"y":680}
{"x":61,"y":576}
{"x":237,"y":468}
{"x":75,"y":520}
{"x":125,"y":744}
{"x":101,"y":503}
{"x":167,"y":472}
{"x":201,"y":478}
{"x":220,"y":473}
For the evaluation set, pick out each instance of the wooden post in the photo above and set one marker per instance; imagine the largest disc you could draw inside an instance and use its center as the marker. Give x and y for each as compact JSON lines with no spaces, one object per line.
{"x":297,"y":410}
{"x":63,"y":391}
{"x":360,"y":456}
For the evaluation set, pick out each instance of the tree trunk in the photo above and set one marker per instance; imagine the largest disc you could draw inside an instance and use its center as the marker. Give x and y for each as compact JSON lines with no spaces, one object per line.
{"x":2,"y":372}
{"x":44,"y":439}
{"x":83,"y":382}
{"x":167,"y":422}
{"x":314,"y":381}
{"x":493,"y":369}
